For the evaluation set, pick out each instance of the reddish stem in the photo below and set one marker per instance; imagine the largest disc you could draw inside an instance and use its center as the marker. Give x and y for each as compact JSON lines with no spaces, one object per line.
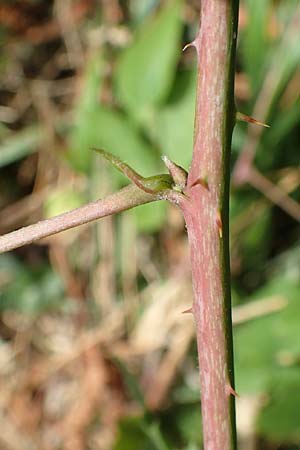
{"x":206,"y":216}
{"x":126,"y":198}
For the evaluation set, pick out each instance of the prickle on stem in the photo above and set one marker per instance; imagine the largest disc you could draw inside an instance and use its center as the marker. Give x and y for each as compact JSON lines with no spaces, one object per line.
{"x":230,"y":391}
{"x":188,"y":45}
{"x":245,"y":118}
{"x":202,"y":181}
{"x":219,"y":224}
{"x":193,"y":43}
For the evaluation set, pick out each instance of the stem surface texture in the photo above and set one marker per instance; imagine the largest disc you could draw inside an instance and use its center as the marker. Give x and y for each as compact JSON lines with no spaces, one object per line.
{"x":206,"y":215}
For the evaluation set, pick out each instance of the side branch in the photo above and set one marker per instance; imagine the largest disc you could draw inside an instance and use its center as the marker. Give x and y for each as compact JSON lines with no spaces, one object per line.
{"x":126,"y":198}
{"x":143,"y":190}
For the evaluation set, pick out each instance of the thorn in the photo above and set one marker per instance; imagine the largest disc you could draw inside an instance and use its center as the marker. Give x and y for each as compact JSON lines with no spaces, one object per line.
{"x":202,"y":182}
{"x":219,"y":224}
{"x":230,"y":391}
{"x":249,"y":119}
{"x":188,"y":45}
{"x":188,"y":311}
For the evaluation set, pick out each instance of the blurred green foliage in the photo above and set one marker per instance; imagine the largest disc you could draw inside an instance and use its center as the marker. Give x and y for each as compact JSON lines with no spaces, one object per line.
{"x":29,"y":290}
{"x":153,"y":92}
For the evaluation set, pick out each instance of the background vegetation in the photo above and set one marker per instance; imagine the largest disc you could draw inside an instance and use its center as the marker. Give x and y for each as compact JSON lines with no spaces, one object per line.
{"x":94,"y":351}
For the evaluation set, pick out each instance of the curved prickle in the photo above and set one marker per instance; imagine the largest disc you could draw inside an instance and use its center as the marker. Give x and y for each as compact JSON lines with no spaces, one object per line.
{"x":245,"y":118}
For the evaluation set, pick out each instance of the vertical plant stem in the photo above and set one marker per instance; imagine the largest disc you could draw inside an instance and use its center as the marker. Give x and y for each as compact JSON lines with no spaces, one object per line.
{"x":206,"y":215}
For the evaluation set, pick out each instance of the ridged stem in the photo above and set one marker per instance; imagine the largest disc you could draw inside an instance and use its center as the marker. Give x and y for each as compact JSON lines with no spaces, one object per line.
{"x":207,"y":219}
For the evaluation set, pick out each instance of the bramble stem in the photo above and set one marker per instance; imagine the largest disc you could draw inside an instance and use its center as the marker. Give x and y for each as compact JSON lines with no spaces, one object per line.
{"x":144,"y":190}
{"x":206,"y":216}
{"x":126,"y":198}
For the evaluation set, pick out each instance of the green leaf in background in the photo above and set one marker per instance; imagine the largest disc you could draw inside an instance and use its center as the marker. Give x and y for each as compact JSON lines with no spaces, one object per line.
{"x":174,"y":122}
{"x":191,"y":447}
{"x":85,"y":122}
{"x":279,"y":419}
{"x":286,"y":121}
{"x":238,"y":137}
{"x":62,"y":200}
{"x":150,"y":217}
{"x":255,"y":40}
{"x":138,"y":433}
{"x":260,"y":343}
{"x":140,"y":9}
{"x":20,"y":144}
{"x":114,"y":132}
{"x":130,"y":435}
{"x":152,"y":431}
{"x":189,"y":423}
{"x":182,"y":423}
{"x":257,"y":235}
{"x":119,"y":136}
{"x":29,"y":290}
{"x":287,"y":51}
{"x":287,"y":264}
{"x":146,"y":69}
